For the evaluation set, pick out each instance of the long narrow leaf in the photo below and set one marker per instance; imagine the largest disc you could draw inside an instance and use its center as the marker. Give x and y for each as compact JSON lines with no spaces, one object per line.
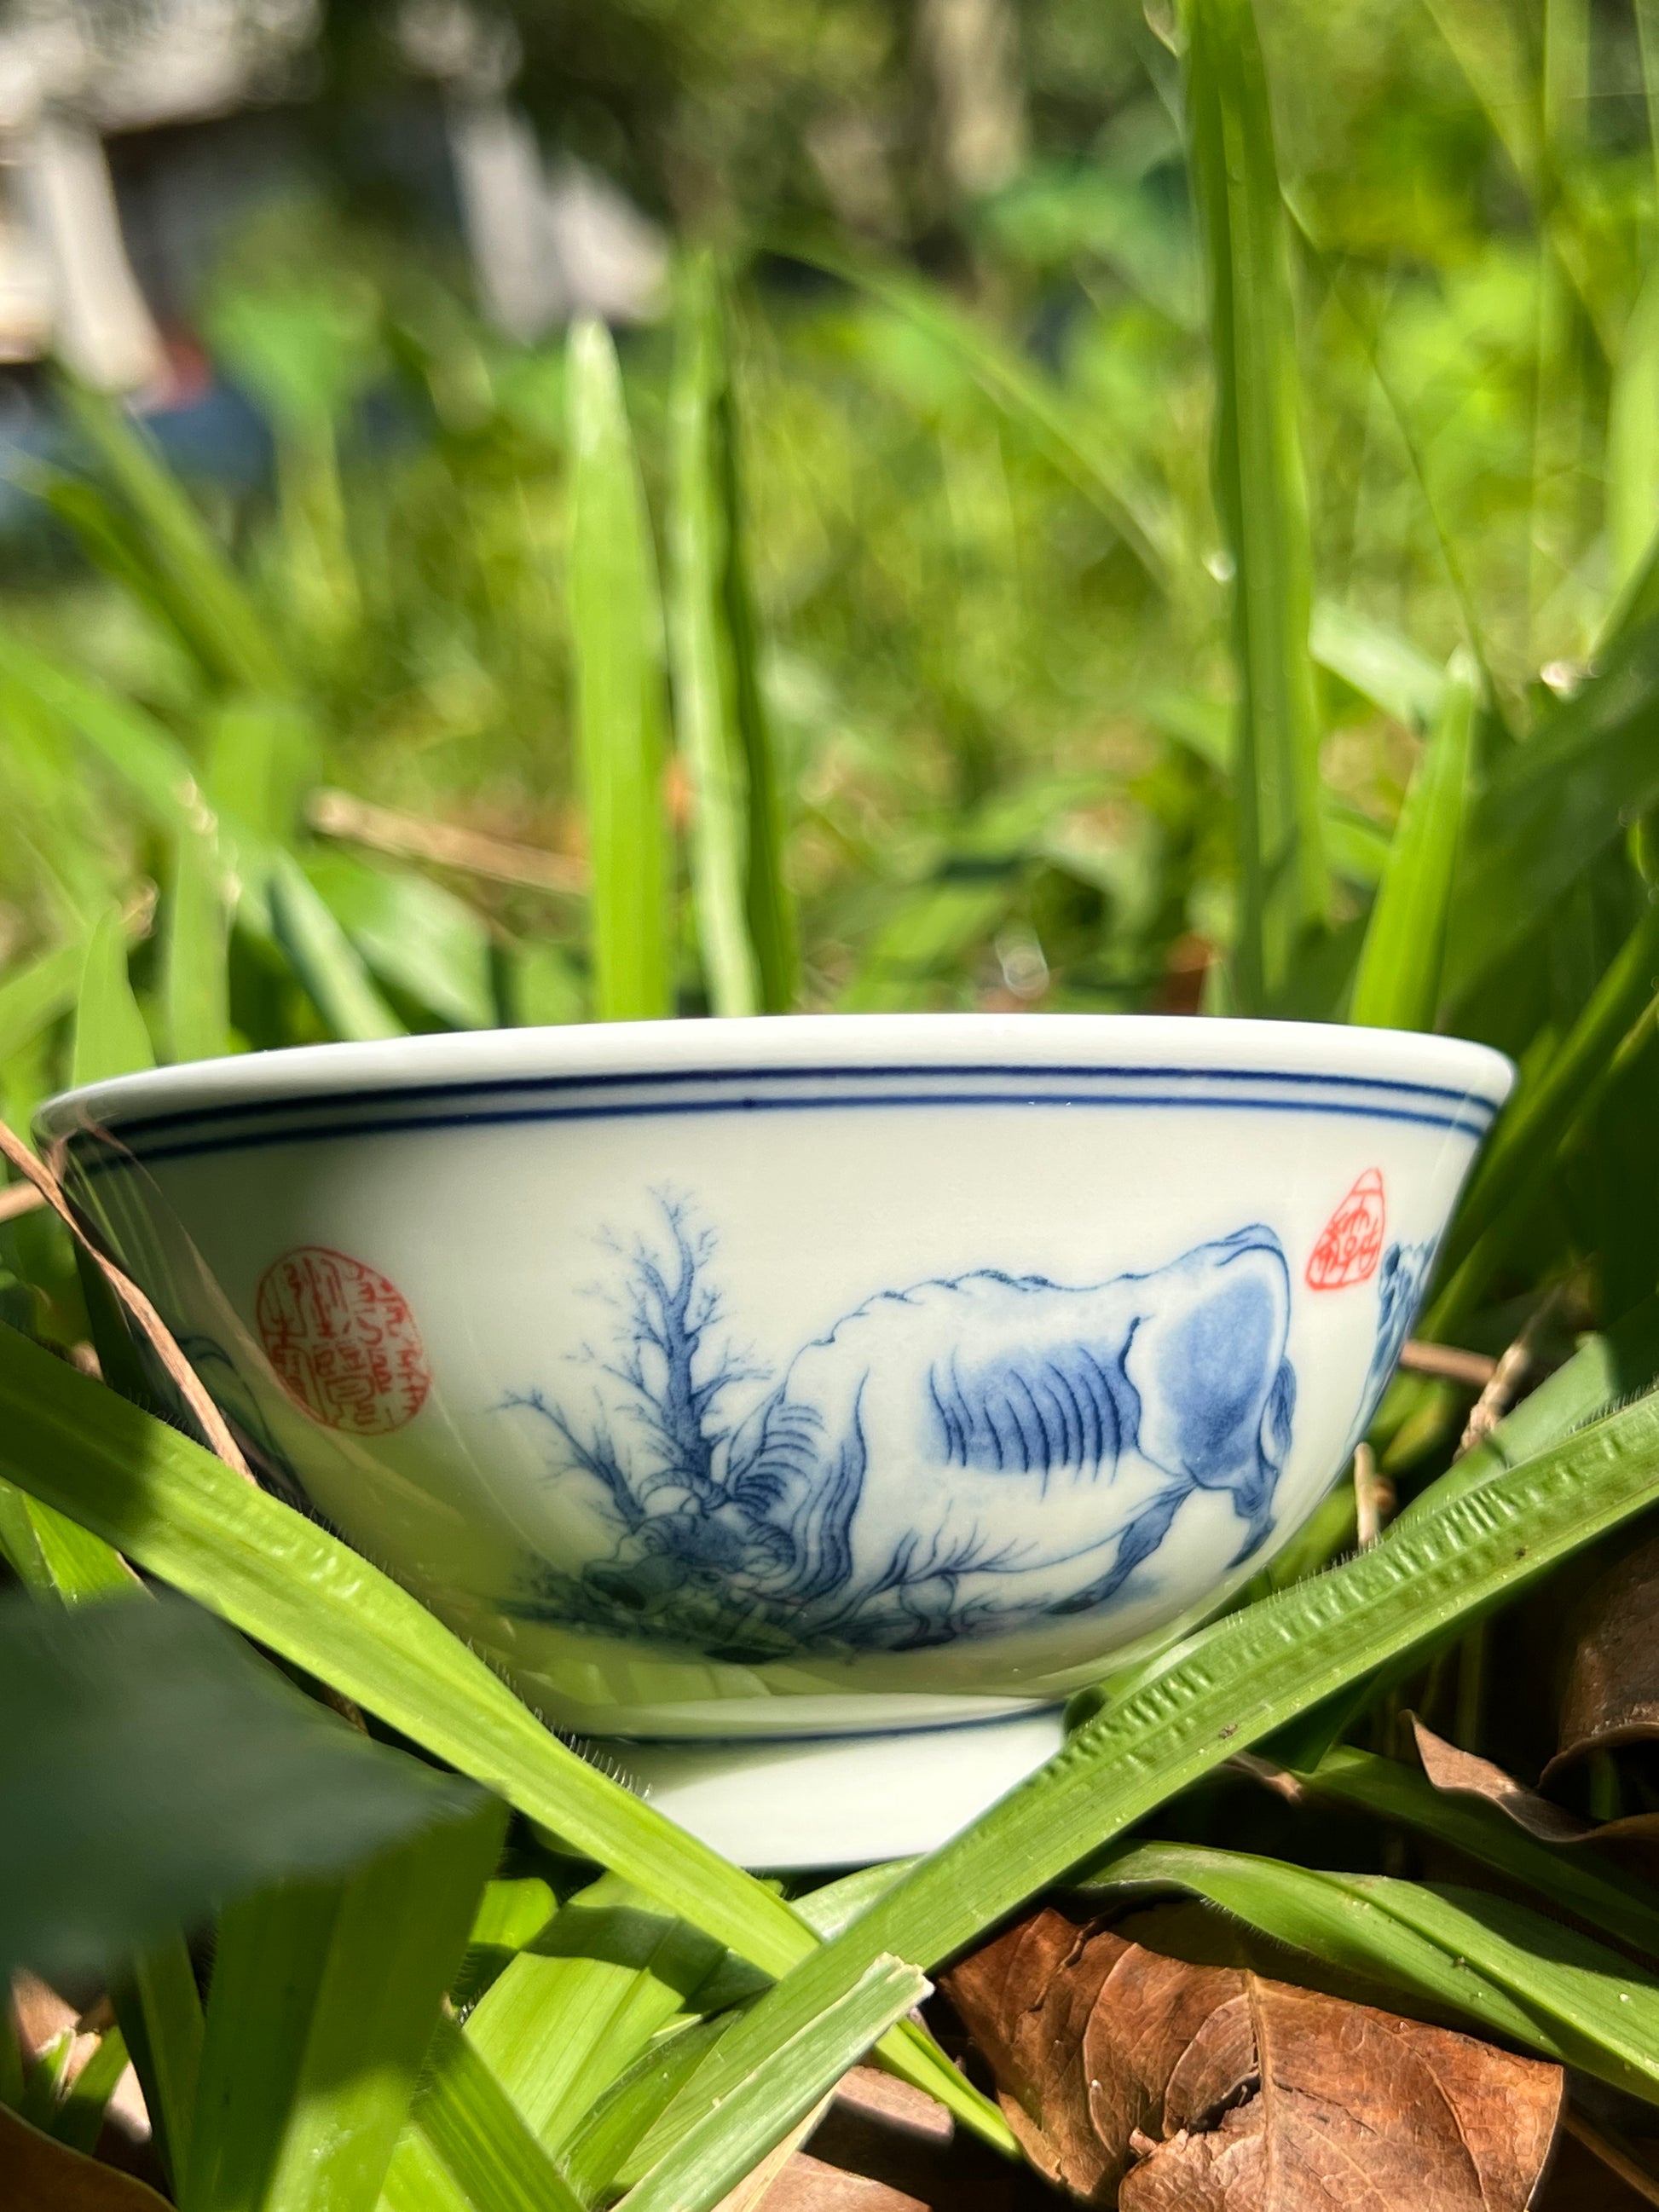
{"x":156,"y":1999}
{"x":761,"y":2107}
{"x":142,"y":752}
{"x":323,"y":957}
{"x":1589,"y":770}
{"x":1545,"y":1113}
{"x":325,"y":1997}
{"x":32,"y":998}
{"x":1398,"y":984}
{"x":744,"y":919}
{"x":160,"y":2010}
{"x":616,"y":629}
{"x":1580,"y":1881}
{"x":1504,"y":1966}
{"x":574,"y":2010}
{"x":1261,"y":495}
{"x":195,"y":978}
{"x":467,"y":2121}
{"x":110,"y":1035}
{"x":700,"y":651}
{"x":1231,"y":1685}
{"x":1147,"y":524}
{"x":245,"y":653}
{"x":185,"y":1517}
{"x":1378,"y":663}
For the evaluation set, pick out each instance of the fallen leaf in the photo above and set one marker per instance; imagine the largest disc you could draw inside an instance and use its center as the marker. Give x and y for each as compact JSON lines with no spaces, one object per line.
{"x":1138,"y":2079}
{"x":44,"y":2176}
{"x":1448,"y":1768}
{"x":883,"y":2146}
{"x":1611,"y":1692}
{"x":808,"y":2185}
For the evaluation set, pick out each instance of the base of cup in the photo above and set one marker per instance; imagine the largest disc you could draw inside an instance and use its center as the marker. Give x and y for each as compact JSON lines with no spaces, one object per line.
{"x":785,"y":1805}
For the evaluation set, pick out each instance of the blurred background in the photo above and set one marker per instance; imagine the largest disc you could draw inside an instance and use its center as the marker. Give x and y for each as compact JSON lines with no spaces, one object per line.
{"x":324,"y":257}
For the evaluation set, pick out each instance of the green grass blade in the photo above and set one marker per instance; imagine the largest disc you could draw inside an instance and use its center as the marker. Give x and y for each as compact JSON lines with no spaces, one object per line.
{"x":616,"y":629}
{"x":700,"y":650}
{"x":110,"y":1035}
{"x":325,"y":1997}
{"x":1606,"y":1371}
{"x":600,"y":2150}
{"x":195,"y":976}
{"x":1581,"y":1881}
{"x":32,"y":998}
{"x":323,"y":957}
{"x":185,"y":1517}
{"x":1228,"y":1686}
{"x":511,"y":1914}
{"x":1543,"y":1112}
{"x":1506,"y":1967}
{"x":141,"y":750}
{"x":151,"y":1721}
{"x":1633,"y":442}
{"x":577,"y":2008}
{"x":1377,"y":663}
{"x":1261,"y":495}
{"x":473,"y":2128}
{"x":155,"y":1999}
{"x":762,"y":2105}
{"x":161,"y":2015}
{"x":80,"y":2118}
{"x":246,"y":659}
{"x":414,"y":936}
{"x":53,"y":1556}
{"x":1147,"y":524}
{"x":1398,"y":983}
{"x":1553,"y":805}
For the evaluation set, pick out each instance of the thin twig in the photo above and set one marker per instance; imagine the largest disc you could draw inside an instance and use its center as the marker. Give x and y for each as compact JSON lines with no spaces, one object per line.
{"x":410,"y":837}
{"x":1494,"y":1401}
{"x":1373,"y":1497}
{"x":1474,"y":1369}
{"x":1612,"y":2154}
{"x":19,"y":1198}
{"x":183,"y":1375}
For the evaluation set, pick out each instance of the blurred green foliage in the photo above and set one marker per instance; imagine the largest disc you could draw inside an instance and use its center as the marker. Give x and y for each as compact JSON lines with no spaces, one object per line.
{"x":963,"y":449}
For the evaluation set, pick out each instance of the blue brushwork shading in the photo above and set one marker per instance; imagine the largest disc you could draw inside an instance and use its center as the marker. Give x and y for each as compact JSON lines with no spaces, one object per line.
{"x":967,"y":1457}
{"x":1402,"y":1281}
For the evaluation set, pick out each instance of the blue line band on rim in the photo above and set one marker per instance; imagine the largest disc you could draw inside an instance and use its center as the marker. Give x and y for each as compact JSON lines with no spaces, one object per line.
{"x":243,"y":1109}
{"x":109,"y":1156}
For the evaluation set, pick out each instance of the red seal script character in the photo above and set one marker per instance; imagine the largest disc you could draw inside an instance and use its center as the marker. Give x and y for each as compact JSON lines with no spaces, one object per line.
{"x":342,"y":1340}
{"x":1350,"y":1243}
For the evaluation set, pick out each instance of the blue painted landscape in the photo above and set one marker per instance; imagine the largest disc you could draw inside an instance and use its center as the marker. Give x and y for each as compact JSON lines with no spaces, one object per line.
{"x":958,"y":1458}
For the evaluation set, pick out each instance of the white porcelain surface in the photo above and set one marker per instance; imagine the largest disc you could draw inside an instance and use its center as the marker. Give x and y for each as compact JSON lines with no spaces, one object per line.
{"x":804,"y":1375}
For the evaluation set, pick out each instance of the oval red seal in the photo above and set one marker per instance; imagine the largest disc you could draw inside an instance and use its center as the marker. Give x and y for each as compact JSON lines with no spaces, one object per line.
{"x":342,"y":1340}
{"x":1350,"y":1243}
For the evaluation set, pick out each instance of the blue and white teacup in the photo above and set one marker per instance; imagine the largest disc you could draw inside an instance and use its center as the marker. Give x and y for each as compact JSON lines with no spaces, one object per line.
{"x":761,"y":1395}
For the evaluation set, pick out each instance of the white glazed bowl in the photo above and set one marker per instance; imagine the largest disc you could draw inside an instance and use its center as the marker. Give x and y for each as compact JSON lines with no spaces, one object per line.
{"x":797,"y":1376}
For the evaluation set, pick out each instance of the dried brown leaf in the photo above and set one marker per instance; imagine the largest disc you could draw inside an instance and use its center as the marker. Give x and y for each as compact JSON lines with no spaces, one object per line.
{"x":808,"y":2185}
{"x":1138,"y":2078}
{"x":39,"y":2175}
{"x":1612,"y":1693}
{"x":1448,"y":1768}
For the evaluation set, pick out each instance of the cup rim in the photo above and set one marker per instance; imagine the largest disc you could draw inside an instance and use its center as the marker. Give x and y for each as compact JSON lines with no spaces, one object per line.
{"x":823,"y":1044}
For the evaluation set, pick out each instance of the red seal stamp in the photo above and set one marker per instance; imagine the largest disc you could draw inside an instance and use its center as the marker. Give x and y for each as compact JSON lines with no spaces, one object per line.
{"x":1350,"y":1243}
{"x":342,"y":1340}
